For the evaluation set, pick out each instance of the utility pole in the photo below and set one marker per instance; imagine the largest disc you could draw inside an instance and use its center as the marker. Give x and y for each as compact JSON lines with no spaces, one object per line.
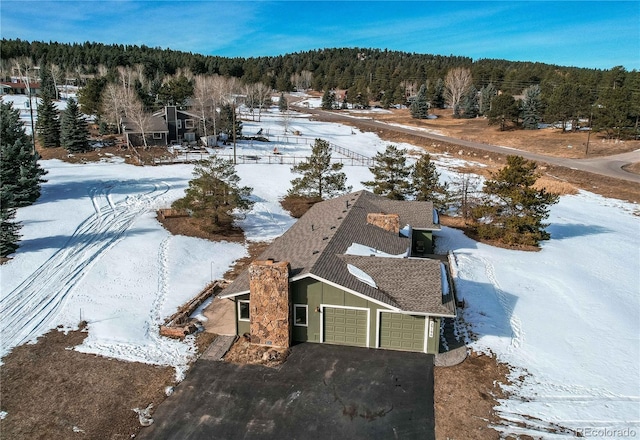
{"x":233,"y":129}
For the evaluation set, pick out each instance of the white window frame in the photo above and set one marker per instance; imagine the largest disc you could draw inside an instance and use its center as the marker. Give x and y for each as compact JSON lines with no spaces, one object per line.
{"x":240,"y":318}
{"x":295,"y":315}
{"x":189,"y":123}
{"x":179,"y":124}
{"x":157,"y":135}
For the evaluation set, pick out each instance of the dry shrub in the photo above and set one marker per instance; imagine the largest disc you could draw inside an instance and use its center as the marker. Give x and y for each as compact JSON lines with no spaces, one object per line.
{"x":556,"y":186}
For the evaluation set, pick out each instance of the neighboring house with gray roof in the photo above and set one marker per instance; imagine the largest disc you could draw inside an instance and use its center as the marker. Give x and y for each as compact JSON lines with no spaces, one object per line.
{"x":167,"y":126}
{"x":354,"y":270}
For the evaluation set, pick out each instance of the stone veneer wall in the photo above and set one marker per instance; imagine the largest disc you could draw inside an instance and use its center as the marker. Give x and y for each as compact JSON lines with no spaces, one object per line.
{"x":269,"y":306}
{"x":388,"y":222}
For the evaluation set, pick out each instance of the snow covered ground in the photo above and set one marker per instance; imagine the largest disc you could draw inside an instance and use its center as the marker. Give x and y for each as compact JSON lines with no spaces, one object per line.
{"x":566,"y":318}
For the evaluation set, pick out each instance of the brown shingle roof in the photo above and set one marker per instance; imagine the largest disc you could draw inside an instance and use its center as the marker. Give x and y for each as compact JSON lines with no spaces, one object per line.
{"x":315,"y":246}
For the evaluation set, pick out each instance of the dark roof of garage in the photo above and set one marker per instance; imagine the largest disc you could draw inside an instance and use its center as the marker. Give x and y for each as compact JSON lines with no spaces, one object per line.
{"x":315,"y":246}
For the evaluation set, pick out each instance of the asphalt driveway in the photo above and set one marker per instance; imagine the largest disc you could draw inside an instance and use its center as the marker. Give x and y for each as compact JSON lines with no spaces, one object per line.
{"x":320,"y":392}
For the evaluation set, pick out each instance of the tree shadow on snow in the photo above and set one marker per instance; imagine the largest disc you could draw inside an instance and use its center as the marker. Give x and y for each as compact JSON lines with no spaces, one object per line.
{"x":571,"y":230}
{"x":60,"y":242}
{"x":55,"y":192}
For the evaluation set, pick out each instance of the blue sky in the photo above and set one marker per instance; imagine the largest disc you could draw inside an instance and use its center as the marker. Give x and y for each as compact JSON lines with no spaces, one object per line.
{"x":584,"y":34}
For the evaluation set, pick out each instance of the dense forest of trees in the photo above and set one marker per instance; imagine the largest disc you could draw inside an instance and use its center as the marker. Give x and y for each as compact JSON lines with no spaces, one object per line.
{"x":608,"y":100}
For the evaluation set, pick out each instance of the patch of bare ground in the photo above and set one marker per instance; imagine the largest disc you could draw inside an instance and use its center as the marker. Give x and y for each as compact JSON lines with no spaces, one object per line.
{"x":465,"y":396}
{"x":197,"y":227}
{"x":549,"y":141}
{"x":244,"y":352}
{"x":297,"y":206}
{"x":53,"y":392}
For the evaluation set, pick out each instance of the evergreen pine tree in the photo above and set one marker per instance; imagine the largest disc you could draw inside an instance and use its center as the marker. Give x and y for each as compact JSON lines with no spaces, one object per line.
{"x":531,"y":107}
{"x":420,"y":107}
{"x":391,"y":174}
{"x":513,"y":210}
{"x":48,"y":125}
{"x":47,"y":84}
{"x":11,"y":128}
{"x":486,"y":95}
{"x":469,"y":103}
{"x":20,"y":172}
{"x":328,"y":99}
{"x":74,"y":135}
{"x":426,"y":183}
{"x":9,"y":232}
{"x":320,"y":178}
{"x":504,"y":109}
{"x":215,"y":193}
{"x":283,"y":105}
{"x":436,"y":93}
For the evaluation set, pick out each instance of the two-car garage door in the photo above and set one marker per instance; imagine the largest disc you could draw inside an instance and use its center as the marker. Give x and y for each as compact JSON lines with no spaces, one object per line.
{"x":349,"y":326}
{"x":402,"y":332}
{"x":345,"y":326}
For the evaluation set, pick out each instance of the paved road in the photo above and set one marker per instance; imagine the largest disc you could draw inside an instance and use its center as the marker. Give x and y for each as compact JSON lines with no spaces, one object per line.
{"x":610,"y":166}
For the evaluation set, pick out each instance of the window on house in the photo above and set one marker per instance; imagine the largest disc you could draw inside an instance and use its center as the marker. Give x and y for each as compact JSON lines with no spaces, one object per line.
{"x":179,"y":123}
{"x":189,"y":123}
{"x":157,"y":135}
{"x":243,"y":310}
{"x":300,"y":314}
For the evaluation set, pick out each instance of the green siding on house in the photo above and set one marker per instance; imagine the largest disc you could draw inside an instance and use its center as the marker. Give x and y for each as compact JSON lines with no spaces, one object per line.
{"x":314,"y":293}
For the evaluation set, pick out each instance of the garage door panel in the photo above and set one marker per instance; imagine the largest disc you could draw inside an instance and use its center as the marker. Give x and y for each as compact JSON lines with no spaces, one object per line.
{"x":402,"y":332}
{"x":345,"y":326}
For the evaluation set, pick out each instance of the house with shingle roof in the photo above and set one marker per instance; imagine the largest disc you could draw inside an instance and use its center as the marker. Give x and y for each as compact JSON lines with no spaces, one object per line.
{"x":354,"y":270}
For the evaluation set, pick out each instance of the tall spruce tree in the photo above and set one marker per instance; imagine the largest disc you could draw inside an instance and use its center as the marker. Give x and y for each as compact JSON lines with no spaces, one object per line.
{"x":436,"y":93}
{"x":20,"y":172}
{"x":531,"y":107}
{"x":320,"y":178}
{"x":74,"y":134}
{"x":20,"y":176}
{"x":469,"y":103}
{"x":426,"y":183}
{"x":48,"y":125}
{"x":391,"y":174}
{"x":420,"y":107}
{"x":487,"y":93}
{"x":513,"y":210}
{"x":9,"y":232}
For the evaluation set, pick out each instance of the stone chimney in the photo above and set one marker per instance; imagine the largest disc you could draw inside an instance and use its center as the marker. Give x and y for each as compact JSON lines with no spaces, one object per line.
{"x":270,"y":309}
{"x":388,"y":222}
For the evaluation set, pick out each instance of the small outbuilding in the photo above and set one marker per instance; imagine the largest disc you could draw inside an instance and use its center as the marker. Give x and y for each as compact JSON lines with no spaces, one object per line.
{"x":354,"y":270}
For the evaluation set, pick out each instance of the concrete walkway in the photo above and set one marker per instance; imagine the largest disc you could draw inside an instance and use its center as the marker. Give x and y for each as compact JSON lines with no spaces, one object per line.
{"x":220,"y":316}
{"x":218,"y":348}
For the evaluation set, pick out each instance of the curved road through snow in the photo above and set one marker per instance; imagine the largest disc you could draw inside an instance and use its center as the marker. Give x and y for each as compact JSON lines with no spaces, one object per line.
{"x":610,"y":166}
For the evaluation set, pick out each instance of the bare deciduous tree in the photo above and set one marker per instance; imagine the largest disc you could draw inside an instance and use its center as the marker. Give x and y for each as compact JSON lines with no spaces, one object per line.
{"x":204,"y":99}
{"x":456,"y":84}
{"x":302,"y":80}
{"x":113,"y":104}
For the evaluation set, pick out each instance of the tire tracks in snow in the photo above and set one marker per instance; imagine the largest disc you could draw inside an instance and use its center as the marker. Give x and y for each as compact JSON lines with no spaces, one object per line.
{"x":31,"y":308}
